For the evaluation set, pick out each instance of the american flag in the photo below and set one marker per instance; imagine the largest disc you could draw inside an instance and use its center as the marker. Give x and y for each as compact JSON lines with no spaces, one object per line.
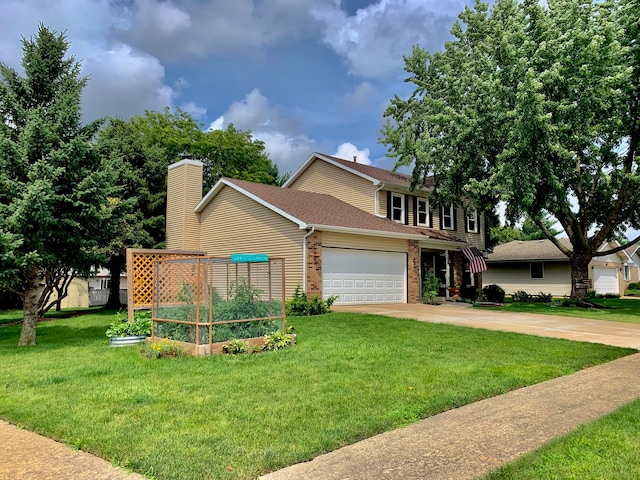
{"x":476,"y":260}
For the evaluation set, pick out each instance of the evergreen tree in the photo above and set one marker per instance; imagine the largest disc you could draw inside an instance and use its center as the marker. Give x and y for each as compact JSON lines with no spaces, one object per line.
{"x":52,"y":186}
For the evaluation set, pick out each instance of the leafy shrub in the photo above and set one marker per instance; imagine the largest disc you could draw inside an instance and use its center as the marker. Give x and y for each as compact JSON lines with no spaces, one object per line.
{"x":430,"y":287}
{"x":543,"y":298}
{"x":634,"y":286}
{"x":299,"y":305}
{"x":521,"y":297}
{"x":236,"y":346}
{"x":469,"y":292}
{"x":122,"y":327}
{"x":162,"y":348}
{"x":493,"y":293}
{"x":277,"y":341}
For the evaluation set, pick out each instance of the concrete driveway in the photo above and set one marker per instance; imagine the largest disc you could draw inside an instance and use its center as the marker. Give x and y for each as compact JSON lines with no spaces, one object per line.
{"x":457,"y":313}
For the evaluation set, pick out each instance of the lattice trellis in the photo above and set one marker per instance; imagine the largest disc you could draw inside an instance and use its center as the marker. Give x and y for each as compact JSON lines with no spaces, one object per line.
{"x":140,"y":264}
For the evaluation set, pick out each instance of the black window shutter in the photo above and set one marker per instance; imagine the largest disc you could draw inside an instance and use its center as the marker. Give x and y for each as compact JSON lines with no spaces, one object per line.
{"x":406,"y":209}
{"x":441,"y":212}
{"x":478,"y":222}
{"x":466,"y":222}
{"x":389,"y":207}
{"x":415,"y":210}
{"x":455,"y":224}
{"x":429,"y":215}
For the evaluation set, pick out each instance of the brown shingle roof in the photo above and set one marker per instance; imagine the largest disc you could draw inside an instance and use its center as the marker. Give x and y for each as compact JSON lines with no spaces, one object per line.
{"x":385,"y":176}
{"x":317,"y":209}
{"x":530,"y":250}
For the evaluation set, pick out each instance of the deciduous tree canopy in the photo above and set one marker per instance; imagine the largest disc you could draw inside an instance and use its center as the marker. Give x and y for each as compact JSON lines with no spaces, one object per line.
{"x":537,"y":106}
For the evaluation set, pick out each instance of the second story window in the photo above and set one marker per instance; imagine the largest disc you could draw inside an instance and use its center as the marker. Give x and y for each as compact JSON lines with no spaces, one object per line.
{"x":472,"y":221}
{"x":397,"y":207}
{"x":447,"y":221}
{"x":422,"y":212}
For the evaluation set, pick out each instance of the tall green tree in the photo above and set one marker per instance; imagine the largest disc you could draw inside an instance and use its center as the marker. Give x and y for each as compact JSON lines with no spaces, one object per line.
{"x":538,"y":106}
{"x":138,"y":153}
{"x":52,"y":186}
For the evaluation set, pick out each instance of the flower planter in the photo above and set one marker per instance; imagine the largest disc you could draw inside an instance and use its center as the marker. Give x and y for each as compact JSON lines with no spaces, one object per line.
{"x":126,"y":341}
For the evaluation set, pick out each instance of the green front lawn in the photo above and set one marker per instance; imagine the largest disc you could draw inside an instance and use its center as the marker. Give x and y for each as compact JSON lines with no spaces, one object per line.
{"x":11,"y":316}
{"x":350,"y":377}
{"x":607,"y":448}
{"x":619,"y":310}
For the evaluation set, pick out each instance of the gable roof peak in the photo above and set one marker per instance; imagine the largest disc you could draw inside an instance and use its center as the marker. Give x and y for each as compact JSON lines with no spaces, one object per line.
{"x":375,"y":175}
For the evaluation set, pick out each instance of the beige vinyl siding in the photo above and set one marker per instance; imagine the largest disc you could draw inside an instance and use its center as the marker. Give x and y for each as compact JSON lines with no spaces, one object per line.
{"x":322,"y":177}
{"x":233,"y":223}
{"x":184,"y":191}
{"x":363,"y":242}
{"x":517,"y":276}
{"x":474,"y":239}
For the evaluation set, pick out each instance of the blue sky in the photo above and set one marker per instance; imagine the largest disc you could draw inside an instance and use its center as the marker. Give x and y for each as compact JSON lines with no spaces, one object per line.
{"x":302,"y":75}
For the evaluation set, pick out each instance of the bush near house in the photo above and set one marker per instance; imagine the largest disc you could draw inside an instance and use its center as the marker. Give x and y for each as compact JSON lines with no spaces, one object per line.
{"x":493,"y":293}
{"x":523,"y":297}
{"x":301,"y":306}
{"x":633,"y":290}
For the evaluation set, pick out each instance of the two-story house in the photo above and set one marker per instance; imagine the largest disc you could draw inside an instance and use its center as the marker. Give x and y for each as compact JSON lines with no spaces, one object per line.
{"x":343,"y":228}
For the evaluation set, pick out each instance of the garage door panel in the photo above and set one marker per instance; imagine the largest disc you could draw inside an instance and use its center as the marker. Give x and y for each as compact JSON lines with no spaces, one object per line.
{"x":605,"y":280}
{"x":361,"y":276}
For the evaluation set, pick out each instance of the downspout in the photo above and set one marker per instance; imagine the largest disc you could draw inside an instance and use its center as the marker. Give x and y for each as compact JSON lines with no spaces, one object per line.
{"x":446,"y":274}
{"x":304,"y":258}
{"x":375,"y":200}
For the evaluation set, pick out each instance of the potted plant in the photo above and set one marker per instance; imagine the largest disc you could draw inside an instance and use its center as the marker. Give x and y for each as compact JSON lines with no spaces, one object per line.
{"x":122,"y":332}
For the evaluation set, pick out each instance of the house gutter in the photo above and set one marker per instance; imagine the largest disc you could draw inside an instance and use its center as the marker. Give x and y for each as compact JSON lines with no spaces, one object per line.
{"x":304,"y":258}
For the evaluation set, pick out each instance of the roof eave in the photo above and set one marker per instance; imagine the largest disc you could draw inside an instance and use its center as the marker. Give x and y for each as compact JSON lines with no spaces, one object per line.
{"x":224,"y":182}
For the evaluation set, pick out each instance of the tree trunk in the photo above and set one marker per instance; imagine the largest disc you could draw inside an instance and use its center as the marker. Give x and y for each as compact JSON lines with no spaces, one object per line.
{"x":30,"y":310}
{"x":116,"y":263}
{"x":579,"y":271}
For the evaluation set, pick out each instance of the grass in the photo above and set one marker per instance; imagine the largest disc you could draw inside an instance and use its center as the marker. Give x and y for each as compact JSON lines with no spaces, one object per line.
{"x":350,"y":377}
{"x":607,"y":448}
{"x":12,"y":316}
{"x":618,"y":309}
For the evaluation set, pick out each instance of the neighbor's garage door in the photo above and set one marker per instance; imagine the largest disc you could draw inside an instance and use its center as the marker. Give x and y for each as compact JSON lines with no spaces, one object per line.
{"x":363,"y":276}
{"x":605,"y":280}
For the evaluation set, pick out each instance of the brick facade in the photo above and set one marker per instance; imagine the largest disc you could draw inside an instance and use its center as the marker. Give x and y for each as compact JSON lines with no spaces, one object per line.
{"x":313,"y":262}
{"x":413,"y":271}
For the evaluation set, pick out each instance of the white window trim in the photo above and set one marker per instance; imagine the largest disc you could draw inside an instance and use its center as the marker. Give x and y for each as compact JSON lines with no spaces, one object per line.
{"x":448,"y":209}
{"x":426,"y":211}
{"x":626,"y":272}
{"x":475,"y":221}
{"x":531,"y":271}
{"x":402,"y":207}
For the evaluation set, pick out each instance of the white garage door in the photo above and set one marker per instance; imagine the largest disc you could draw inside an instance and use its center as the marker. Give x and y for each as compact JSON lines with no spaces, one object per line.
{"x":362,"y":276}
{"x":605,"y":280}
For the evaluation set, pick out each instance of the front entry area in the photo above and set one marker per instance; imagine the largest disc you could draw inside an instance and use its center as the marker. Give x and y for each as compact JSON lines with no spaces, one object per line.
{"x":364,"y":276}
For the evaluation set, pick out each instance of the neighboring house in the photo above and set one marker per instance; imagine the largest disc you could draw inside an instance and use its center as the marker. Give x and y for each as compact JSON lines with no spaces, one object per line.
{"x":343,"y":228}
{"x":539,"y":266}
{"x":92,"y":292}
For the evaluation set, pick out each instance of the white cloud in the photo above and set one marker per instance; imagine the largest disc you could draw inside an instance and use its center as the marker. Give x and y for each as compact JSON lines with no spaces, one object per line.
{"x":170,"y":30}
{"x":363,"y":95}
{"x":284,"y":143}
{"x":348,"y":151}
{"x":372,"y":42}
{"x":194,"y":110}
{"x":124,"y":83}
